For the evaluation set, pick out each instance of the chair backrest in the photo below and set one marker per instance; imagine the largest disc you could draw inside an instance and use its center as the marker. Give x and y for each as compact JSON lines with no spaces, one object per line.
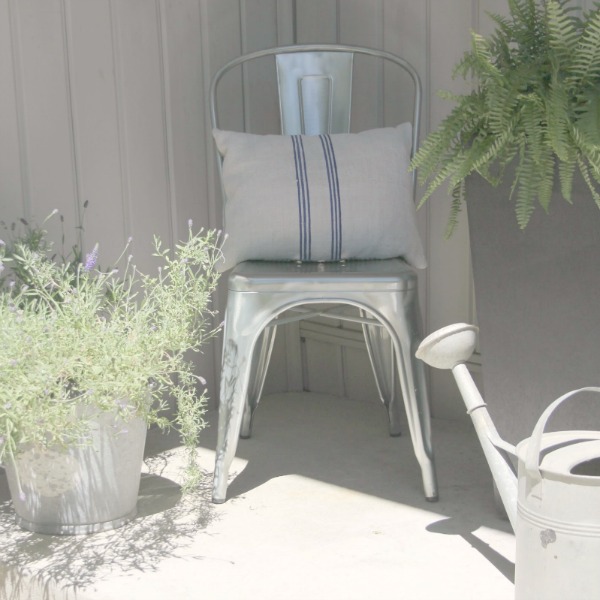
{"x":315,"y":87}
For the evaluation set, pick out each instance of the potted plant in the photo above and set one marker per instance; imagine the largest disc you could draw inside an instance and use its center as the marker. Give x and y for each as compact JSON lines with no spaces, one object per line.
{"x":89,"y":360}
{"x":523,"y":148}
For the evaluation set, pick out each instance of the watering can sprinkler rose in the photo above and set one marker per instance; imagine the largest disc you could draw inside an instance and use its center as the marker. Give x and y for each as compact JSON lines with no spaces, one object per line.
{"x":553,"y":501}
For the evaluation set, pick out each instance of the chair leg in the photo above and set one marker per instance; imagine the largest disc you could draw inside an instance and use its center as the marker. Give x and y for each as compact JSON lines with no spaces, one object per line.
{"x":258,"y":372}
{"x":412,"y":381}
{"x":380,"y":349}
{"x":234,"y":384}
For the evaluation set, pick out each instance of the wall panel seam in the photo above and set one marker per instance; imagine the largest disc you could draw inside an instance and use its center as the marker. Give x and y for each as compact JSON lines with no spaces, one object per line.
{"x":17,"y":67}
{"x":206,"y":78}
{"x":210,"y":188}
{"x":427,"y":122}
{"x":165,"y":89}
{"x":121,"y":131}
{"x":245,"y":77}
{"x":72,"y":116}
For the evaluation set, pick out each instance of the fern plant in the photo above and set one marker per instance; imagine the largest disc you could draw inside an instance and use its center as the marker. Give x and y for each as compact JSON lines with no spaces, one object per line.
{"x":535,"y":103}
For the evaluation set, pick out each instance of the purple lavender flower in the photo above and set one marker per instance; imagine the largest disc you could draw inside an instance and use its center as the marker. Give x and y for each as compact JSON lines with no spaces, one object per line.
{"x":91,"y":259}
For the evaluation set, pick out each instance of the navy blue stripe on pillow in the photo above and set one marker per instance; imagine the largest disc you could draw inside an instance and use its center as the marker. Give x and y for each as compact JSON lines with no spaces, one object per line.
{"x":303,"y":198}
{"x":334,"y":197}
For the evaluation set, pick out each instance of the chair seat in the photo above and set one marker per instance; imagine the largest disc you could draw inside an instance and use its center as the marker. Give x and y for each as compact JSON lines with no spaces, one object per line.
{"x":390,"y":275}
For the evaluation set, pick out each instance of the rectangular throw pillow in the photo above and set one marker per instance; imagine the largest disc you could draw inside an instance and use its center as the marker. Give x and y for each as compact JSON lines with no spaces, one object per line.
{"x":319,"y":198}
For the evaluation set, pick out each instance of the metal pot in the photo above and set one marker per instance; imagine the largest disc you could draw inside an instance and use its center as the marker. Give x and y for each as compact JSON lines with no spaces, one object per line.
{"x":81,"y":489}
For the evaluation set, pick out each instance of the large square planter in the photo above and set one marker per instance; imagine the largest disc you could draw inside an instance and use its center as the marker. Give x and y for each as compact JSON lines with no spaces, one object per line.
{"x":537,"y":293}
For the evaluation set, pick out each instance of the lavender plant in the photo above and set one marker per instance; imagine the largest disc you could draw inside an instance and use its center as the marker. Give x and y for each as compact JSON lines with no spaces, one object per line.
{"x":79,"y":343}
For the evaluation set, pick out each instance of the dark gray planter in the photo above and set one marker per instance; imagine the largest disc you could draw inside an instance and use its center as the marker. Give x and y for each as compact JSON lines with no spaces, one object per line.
{"x":538,"y":305}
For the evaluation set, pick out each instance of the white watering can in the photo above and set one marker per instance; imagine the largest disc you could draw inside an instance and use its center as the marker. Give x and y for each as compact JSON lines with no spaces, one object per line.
{"x":553,"y":502}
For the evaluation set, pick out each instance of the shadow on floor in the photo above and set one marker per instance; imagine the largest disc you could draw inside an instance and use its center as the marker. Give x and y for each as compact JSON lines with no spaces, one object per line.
{"x":346,"y":444}
{"x":338,"y":442}
{"x":164,"y":523}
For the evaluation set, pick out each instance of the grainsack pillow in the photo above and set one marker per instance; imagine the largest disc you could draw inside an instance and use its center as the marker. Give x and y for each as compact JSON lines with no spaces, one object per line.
{"x":319,"y":198}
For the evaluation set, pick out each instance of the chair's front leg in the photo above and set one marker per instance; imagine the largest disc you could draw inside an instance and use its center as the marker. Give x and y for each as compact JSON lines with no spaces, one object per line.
{"x":416,"y":402}
{"x":235,"y":373}
{"x":403,"y":315}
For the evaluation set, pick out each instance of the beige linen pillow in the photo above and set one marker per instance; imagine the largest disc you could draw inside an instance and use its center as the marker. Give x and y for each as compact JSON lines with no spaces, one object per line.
{"x":319,"y":198}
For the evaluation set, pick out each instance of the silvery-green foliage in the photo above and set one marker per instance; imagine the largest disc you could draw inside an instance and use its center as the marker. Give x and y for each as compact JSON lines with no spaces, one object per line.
{"x":535,"y":103}
{"x":77,"y":341}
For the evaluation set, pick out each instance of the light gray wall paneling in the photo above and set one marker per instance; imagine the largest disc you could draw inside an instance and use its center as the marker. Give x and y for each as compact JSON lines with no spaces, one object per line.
{"x":97,"y":126}
{"x":185,"y":105}
{"x":448,"y":273}
{"x":45,"y":120}
{"x":317,"y":21}
{"x":259,"y":31}
{"x":104,"y":100}
{"x":142,"y":94}
{"x":187,"y":136}
{"x":12,"y":150}
{"x":405,"y":32}
{"x":361,"y":23}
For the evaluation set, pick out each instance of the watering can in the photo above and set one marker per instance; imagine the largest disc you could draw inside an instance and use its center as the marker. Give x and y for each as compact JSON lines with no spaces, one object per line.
{"x":553,"y":498}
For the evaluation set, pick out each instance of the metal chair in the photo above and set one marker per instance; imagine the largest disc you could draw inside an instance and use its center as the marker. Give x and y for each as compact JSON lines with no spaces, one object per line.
{"x":263,"y":294}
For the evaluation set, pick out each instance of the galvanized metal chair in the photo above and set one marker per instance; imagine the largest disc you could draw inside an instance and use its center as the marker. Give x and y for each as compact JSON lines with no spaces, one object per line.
{"x":314,"y":93}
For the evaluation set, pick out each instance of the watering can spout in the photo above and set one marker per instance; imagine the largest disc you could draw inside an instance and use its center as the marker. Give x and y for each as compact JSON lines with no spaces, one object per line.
{"x":450,"y":348}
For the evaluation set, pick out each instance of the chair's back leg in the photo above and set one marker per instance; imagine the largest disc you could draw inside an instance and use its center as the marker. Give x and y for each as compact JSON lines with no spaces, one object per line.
{"x":258,"y":373}
{"x":380,"y":349}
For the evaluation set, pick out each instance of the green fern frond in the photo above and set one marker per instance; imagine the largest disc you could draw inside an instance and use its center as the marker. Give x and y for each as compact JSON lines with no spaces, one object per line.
{"x":566,"y":172}
{"x":545,"y":176}
{"x":502,"y":107}
{"x":478,"y":61}
{"x":584,"y":147}
{"x":562,"y":30}
{"x":526,"y":190}
{"x":557,"y":115}
{"x":585,"y":66}
{"x":444,"y":174}
{"x":457,"y":194}
{"x":583,"y":169}
{"x":588,"y":121}
{"x":454,"y":129}
{"x":532,"y":114}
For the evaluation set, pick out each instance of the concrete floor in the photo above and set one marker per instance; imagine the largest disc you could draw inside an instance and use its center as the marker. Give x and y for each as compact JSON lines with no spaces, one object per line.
{"x":324,"y":505}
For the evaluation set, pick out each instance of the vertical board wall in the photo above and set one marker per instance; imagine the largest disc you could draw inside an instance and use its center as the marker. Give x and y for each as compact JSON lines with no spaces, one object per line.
{"x":103,"y":101}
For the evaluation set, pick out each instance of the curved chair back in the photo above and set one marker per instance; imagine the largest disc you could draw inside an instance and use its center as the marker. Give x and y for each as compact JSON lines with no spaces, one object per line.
{"x":314,"y":84}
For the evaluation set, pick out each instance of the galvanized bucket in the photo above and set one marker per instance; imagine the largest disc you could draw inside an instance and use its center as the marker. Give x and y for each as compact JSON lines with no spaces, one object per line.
{"x":558,"y":513}
{"x":82,"y":489}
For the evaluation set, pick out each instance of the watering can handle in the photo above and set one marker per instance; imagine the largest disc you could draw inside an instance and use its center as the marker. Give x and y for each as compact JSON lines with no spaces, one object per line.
{"x":532,"y":461}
